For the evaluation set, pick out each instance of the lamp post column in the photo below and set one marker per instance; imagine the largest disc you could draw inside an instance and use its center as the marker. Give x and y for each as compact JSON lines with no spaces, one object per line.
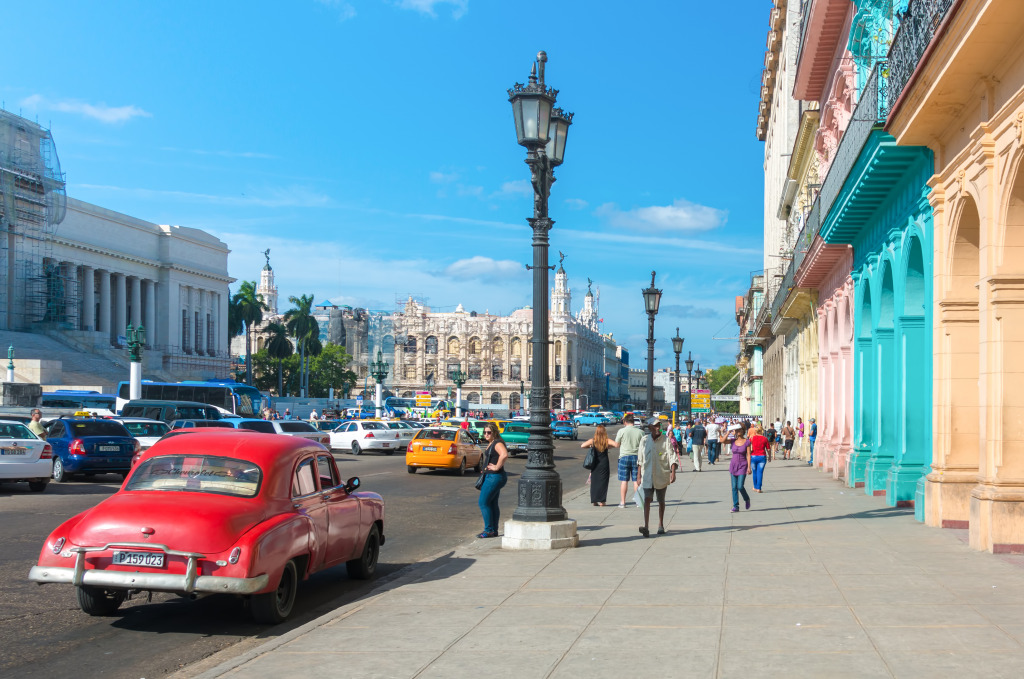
{"x":677,"y":347}
{"x":136,"y":337}
{"x":379,"y":369}
{"x":459,"y":378}
{"x":10,"y":364}
{"x":689,"y":386}
{"x":652,"y":300}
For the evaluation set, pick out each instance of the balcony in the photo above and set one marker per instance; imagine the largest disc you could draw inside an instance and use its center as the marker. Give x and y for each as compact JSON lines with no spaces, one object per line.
{"x":918,"y":27}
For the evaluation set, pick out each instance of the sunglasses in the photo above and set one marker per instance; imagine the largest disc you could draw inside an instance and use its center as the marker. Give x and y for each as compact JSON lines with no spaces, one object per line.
{"x":488,"y":432}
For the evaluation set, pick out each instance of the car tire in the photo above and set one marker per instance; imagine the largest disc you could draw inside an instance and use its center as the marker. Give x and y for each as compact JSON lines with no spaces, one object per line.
{"x":98,"y":601}
{"x":462,"y":467}
{"x":389,"y":452}
{"x":274,"y":607}
{"x":59,"y":474}
{"x":356,"y":450}
{"x":365,"y":566}
{"x":37,"y":486}
{"x":409,"y":468}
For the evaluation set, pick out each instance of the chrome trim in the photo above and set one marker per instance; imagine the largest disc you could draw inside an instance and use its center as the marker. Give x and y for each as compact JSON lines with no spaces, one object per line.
{"x":164,"y":582}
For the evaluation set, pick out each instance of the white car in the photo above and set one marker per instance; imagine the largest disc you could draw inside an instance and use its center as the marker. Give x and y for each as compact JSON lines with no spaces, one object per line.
{"x":24,"y":456}
{"x":146,"y":431}
{"x":359,"y":435}
{"x":301,"y":429}
{"x":403,"y":432}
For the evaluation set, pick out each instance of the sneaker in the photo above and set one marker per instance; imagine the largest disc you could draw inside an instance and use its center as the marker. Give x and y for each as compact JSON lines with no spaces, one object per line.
{"x":622,"y":506}
{"x":661,"y":530}
{"x":748,"y":504}
{"x":735,"y":509}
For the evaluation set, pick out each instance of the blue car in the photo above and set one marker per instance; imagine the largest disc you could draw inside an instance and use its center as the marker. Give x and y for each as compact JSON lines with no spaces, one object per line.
{"x":565,"y":430}
{"x":90,"y":446}
{"x":591,"y":418}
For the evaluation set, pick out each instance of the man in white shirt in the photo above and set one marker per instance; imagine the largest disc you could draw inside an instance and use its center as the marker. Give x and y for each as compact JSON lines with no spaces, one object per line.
{"x":714,"y":432}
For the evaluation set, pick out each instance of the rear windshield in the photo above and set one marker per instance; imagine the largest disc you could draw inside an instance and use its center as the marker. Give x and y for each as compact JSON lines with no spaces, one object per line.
{"x":516,"y":429}
{"x":15,"y":431}
{"x":101,"y":428}
{"x":296,"y":427}
{"x":197,"y":474}
{"x":263,"y":427}
{"x":194,"y":413}
{"x":437,"y":433}
{"x":214,"y":423}
{"x":146,"y":428}
{"x":373,"y":425}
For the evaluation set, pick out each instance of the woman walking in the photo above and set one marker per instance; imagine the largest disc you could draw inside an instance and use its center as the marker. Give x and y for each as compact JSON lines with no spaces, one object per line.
{"x":758,"y":456}
{"x":800,"y":438}
{"x":599,"y":475}
{"x":494,"y":480}
{"x":738,"y":467}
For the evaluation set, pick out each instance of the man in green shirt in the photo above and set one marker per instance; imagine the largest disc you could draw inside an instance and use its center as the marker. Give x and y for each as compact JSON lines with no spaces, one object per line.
{"x":628,"y":438}
{"x":35,"y":426}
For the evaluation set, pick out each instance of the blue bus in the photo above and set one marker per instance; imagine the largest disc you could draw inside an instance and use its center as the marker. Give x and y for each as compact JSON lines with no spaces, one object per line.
{"x":239,"y":399}
{"x":79,"y":400}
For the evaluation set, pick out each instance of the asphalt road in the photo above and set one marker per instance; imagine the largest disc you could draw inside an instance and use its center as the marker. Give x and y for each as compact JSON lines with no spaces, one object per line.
{"x":44,"y":634}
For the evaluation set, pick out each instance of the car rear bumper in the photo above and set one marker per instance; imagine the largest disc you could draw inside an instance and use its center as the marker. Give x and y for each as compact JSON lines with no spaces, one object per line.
{"x":94,"y":463}
{"x":17,"y":471}
{"x":158,"y":582}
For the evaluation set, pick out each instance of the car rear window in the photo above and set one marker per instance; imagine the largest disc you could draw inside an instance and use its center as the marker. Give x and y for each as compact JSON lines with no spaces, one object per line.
{"x":437,"y":433}
{"x":102,"y":428}
{"x":262,"y":427}
{"x":197,"y":474}
{"x":194,"y":413}
{"x":296,"y":427}
{"x":214,"y":423}
{"x":517,"y":429}
{"x":373,"y":425}
{"x":146,"y":428}
{"x":15,"y":431}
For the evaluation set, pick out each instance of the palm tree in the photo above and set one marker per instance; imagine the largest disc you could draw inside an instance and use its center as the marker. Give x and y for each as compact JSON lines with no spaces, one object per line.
{"x":249,"y":308}
{"x":279,"y":347}
{"x":303,"y":327}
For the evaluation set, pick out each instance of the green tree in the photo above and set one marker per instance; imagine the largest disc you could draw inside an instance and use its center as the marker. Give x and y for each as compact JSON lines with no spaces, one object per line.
{"x":723,"y":381}
{"x":279,"y":347}
{"x":329,"y":368}
{"x":248,"y":312}
{"x":303,"y":327}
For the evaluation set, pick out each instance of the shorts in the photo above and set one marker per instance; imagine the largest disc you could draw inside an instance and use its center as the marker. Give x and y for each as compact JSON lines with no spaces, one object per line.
{"x":628,"y":468}
{"x":789,"y":444}
{"x":649,"y":493}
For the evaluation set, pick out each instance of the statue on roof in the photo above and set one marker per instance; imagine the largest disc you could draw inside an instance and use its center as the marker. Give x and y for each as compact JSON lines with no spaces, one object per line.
{"x":590,"y":284}
{"x":266,"y":253}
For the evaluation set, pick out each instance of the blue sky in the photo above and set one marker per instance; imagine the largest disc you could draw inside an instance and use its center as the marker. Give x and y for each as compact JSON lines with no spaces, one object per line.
{"x":369,"y":143}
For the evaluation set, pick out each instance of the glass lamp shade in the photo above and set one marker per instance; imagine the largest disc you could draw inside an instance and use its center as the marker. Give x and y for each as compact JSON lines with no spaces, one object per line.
{"x":532,"y":113}
{"x":558,"y":130}
{"x":677,"y":343}
{"x":689,"y":363}
{"x":652,"y":300}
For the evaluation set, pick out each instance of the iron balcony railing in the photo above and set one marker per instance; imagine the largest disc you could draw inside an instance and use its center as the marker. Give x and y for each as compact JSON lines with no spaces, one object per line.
{"x":869,"y":114}
{"x":918,"y":27}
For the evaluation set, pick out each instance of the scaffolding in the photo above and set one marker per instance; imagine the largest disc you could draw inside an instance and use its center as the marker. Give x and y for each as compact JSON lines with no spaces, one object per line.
{"x":33,"y":288}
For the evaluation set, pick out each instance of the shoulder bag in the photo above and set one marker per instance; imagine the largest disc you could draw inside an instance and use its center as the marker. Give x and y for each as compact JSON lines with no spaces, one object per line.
{"x":590,"y":461}
{"x":480,"y":480}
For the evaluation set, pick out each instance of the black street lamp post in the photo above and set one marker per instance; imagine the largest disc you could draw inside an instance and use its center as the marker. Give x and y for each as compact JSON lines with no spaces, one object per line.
{"x":136,"y":337}
{"x":522,"y":390}
{"x":677,"y":347}
{"x":652,"y":300}
{"x":459,"y":378}
{"x":379,"y":371}
{"x":689,"y":387}
{"x":542,"y":129}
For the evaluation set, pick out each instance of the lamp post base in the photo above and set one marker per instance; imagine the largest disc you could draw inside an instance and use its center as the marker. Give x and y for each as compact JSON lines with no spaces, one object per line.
{"x":522,"y":535}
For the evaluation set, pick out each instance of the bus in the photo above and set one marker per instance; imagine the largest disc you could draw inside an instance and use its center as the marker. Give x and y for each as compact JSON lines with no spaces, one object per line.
{"x":79,"y":401}
{"x":228,"y":395}
{"x":399,"y":406}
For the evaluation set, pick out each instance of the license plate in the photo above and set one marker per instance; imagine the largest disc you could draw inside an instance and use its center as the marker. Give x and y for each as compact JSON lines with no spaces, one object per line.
{"x":108,"y":449}
{"x":429,"y":447}
{"x":150,"y":559}
{"x":386,"y":445}
{"x":14,"y":451}
{"x":520,"y":446}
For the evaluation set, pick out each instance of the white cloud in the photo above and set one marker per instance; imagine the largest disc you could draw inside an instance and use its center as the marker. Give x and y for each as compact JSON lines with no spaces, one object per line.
{"x":459,"y":7}
{"x":662,"y":242}
{"x":439,"y":177}
{"x":517,"y":188}
{"x":682,"y":215}
{"x":345,"y":10}
{"x":100,"y":112}
{"x":576,"y":203}
{"x":484,"y":269}
{"x":289,"y":196}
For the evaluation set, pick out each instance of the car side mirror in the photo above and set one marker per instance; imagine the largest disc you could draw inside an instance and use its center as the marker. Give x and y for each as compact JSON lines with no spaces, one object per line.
{"x":352,"y":484}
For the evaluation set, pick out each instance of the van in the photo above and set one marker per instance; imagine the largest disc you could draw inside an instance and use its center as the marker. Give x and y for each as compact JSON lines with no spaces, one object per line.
{"x":168,"y":411}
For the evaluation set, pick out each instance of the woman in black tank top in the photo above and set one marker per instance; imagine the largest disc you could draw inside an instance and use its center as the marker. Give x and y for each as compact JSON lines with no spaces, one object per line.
{"x":494,"y":481}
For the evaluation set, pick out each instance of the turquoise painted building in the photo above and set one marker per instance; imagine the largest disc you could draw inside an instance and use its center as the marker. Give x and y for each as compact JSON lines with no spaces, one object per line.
{"x":882,"y":210}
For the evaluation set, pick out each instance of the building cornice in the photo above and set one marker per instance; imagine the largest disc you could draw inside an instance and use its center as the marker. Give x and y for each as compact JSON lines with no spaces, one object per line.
{"x":773,"y":48}
{"x":121,"y":256}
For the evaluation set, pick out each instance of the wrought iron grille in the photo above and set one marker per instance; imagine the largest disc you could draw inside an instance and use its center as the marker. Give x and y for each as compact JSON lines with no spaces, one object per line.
{"x":918,"y":27}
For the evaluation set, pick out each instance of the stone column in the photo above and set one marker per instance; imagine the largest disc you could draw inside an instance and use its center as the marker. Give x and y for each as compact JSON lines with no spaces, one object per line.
{"x":120,"y":305}
{"x":136,"y":316}
{"x":105,"y":313}
{"x":198,"y":317}
{"x":88,"y":298}
{"x":150,"y":311}
{"x":883,"y":448}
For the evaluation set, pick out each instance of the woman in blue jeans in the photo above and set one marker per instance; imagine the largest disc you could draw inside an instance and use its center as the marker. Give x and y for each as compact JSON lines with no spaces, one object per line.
{"x":758,"y":455}
{"x":738,"y":467}
{"x":494,"y":480}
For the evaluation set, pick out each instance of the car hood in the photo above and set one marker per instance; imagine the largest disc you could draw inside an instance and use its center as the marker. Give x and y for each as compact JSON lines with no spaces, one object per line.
{"x":196,"y":522}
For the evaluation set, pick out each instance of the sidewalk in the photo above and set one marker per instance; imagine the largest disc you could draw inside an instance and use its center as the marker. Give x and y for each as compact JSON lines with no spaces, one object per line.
{"x":816,"y":580}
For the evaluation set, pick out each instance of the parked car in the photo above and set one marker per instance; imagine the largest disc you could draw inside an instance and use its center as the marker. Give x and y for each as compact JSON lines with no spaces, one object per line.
{"x":89,"y":446}
{"x":515,"y":437}
{"x":169,"y":411}
{"x":565,"y":430}
{"x":403,"y":433}
{"x":24,"y":456}
{"x":218,"y":511}
{"x":361,"y":435}
{"x":146,"y":431}
{"x":612,"y":417}
{"x":444,"y":448}
{"x":297,"y":428}
{"x":590,"y":418}
{"x":207,"y":424}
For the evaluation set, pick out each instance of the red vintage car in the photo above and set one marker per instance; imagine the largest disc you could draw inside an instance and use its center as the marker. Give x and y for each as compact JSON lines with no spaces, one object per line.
{"x":218,"y":511}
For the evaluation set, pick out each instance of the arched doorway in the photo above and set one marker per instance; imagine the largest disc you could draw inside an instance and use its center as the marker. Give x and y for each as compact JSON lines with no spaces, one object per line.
{"x":884,"y":442}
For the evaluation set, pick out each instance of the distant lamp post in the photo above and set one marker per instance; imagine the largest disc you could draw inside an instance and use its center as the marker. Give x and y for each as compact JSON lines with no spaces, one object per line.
{"x":540,"y":521}
{"x":652,"y":300}
{"x":677,"y":347}
{"x":459,"y":378}
{"x":136,"y":337}
{"x":10,"y":364}
{"x":522,"y":402}
{"x":379,"y":370}
{"x":689,"y":388}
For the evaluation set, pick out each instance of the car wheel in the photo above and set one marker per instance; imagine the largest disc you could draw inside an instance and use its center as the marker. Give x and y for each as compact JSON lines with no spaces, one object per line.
{"x":356,"y":450}
{"x":274,"y":607}
{"x":365,"y":566}
{"x":59,"y":475}
{"x":37,"y":486}
{"x":389,"y":452}
{"x":409,"y":468}
{"x":99,"y":601}
{"x":462,"y":467}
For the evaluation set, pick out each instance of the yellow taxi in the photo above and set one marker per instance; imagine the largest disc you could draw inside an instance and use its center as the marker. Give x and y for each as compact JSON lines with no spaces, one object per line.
{"x":443,"y":448}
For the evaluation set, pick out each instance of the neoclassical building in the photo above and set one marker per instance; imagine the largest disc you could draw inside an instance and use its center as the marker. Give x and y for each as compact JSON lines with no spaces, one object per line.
{"x":496,"y":354}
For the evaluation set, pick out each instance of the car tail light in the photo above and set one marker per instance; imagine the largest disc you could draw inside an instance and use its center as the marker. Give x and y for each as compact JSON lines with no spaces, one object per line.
{"x":77,"y":447}
{"x":453,"y":449}
{"x":369,"y":435}
{"x":58,"y":545}
{"x":47,"y":453}
{"x":235,"y":554}
{"x":135,"y":458}
{"x":138,"y":447}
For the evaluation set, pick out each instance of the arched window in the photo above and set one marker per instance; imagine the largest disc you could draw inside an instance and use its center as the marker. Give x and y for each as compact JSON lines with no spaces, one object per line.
{"x":495,"y":398}
{"x":475,"y":346}
{"x":430,"y":346}
{"x":517,"y":346}
{"x":473,"y":397}
{"x":513,"y":401}
{"x":410,"y":345}
{"x":454,"y":346}
{"x":498,"y":346}
{"x":388,"y":345}
{"x":407,"y":394}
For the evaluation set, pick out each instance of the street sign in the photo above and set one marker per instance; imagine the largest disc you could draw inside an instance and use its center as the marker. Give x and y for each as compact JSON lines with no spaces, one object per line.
{"x":673,"y":406}
{"x":701,"y":401}
{"x":359,"y":400}
{"x":422,"y":399}
{"x":726,"y":397}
